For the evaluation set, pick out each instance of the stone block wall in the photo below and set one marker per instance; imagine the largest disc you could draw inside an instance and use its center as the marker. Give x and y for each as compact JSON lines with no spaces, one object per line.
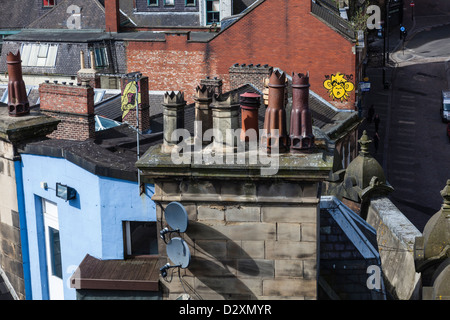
{"x":248,"y":240}
{"x":395,"y":236}
{"x":10,"y":244}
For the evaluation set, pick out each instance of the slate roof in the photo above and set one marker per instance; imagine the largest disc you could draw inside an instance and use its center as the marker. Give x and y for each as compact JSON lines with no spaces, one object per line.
{"x":348,"y":246}
{"x":112,"y":153}
{"x":18,"y":14}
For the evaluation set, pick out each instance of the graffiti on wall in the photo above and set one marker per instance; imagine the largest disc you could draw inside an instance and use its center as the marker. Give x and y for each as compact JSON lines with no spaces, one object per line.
{"x":339,"y":86}
{"x":128,"y":101}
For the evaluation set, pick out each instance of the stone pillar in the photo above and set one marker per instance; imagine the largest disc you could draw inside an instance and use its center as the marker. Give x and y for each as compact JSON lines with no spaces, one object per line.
{"x":250,"y":103}
{"x":225,"y":114}
{"x":173,"y":112}
{"x":203,"y":114}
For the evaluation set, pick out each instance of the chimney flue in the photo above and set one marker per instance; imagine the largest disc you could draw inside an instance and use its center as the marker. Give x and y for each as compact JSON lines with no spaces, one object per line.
{"x":18,"y":104}
{"x":275,"y":135}
{"x":301,"y":135}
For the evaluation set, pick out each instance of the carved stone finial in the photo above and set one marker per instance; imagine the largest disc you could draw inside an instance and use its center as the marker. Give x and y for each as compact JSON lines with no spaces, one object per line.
{"x":364,"y":141}
{"x":445,"y":193}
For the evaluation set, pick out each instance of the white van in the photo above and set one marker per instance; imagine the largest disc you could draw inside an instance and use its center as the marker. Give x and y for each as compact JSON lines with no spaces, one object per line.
{"x":445,"y":108}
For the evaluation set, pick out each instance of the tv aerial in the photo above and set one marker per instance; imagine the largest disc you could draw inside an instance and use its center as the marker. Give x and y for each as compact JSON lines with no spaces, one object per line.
{"x":177,"y":249}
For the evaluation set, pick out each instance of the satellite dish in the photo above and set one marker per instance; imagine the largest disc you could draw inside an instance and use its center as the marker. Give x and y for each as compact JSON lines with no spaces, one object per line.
{"x":176,"y":216}
{"x":178,"y":252}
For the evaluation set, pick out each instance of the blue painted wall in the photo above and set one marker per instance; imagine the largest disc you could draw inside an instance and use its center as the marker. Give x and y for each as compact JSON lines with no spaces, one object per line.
{"x":90,"y":224}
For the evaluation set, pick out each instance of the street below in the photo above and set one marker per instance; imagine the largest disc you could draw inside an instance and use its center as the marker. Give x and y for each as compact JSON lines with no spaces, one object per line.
{"x":414,"y":148}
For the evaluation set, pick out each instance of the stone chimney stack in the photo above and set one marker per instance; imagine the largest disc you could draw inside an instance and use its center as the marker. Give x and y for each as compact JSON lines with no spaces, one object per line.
{"x":215,"y":85}
{"x":275,"y":117}
{"x":173,"y":113}
{"x":301,"y":135}
{"x":73,"y":105}
{"x":112,"y":16}
{"x":225,"y":116}
{"x":18,"y":104}
{"x":203,"y":114}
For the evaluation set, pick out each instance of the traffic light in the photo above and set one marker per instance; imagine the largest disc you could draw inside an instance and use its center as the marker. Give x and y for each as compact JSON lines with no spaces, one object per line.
{"x":403,"y":32}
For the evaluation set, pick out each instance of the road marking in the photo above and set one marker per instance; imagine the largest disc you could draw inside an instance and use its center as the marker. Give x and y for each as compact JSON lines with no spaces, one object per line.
{"x":406,"y":122}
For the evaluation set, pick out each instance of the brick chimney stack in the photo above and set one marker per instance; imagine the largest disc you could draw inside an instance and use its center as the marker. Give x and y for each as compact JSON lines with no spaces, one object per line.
{"x":18,"y":104}
{"x":112,"y":16}
{"x":73,"y":105}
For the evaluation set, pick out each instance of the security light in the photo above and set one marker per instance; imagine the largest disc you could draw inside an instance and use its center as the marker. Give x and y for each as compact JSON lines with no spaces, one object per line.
{"x":65,"y":192}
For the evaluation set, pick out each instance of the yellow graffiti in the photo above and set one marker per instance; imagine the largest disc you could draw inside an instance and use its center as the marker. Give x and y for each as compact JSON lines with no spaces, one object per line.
{"x":128,"y":101}
{"x":338,"y":87}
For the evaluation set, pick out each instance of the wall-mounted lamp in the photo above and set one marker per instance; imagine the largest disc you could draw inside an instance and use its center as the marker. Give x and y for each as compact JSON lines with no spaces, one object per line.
{"x":65,"y":192}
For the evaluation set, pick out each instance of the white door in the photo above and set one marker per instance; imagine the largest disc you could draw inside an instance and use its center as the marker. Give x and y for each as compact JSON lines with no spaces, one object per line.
{"x":53,"y":250}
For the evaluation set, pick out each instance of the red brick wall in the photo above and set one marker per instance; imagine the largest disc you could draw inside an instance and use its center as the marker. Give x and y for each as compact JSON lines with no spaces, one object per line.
{"x":280,"y":33}
{"x":73,"y":105}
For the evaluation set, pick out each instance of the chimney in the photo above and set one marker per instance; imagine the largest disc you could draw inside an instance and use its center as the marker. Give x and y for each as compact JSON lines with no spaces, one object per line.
{"x":89,"y":75}
{"x":173,"y":113}
{"x":73,"y":105}
{"x":225,"y":117}
{"x":214,"y":84}
{"x":18,"y":104}
{"x":128,"y":86}
{"x":203,"y":117}
{"x":250,"y":103}
{"x":301,"y":135}
{"x":275,"y":117}
{"x":112,"y":16}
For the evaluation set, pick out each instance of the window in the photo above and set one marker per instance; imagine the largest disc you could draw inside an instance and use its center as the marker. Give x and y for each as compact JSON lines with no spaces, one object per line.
{"x":152,"y":3}
{"x":169,"y":2}
{"x":48,"y":3}
{"x":212,"y":11}
{"x":38,"y":55}
{"x":55,"y":252}
{"x":190,"y":3}
{"x":101,"y":57}
{"x":140,"y":238}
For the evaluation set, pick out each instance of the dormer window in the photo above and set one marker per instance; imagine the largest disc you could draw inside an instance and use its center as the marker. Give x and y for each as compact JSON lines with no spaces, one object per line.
{"x":48,"y":3}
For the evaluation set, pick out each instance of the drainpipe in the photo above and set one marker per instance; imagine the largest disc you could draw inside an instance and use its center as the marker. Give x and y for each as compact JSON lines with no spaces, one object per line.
{"x":23,"y":229}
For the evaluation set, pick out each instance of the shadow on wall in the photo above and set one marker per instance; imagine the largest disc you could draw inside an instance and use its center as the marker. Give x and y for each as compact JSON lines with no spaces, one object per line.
{"x":218,"y":261}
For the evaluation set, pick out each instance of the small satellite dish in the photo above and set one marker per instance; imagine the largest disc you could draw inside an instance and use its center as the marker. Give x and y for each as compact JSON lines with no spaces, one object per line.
{"x":178,"y":252}
{"x":176,"y":216}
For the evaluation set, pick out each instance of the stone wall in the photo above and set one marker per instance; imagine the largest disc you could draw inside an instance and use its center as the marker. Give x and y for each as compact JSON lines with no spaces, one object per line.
{"x":395,"y":236}
{"x":248,"y":240}
{"x":10,"y":245}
